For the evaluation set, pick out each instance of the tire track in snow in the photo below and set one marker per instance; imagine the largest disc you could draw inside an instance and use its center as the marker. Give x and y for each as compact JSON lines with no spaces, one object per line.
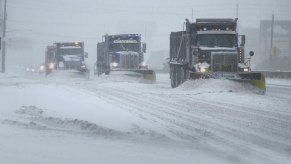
{"x":207,"y":107}
{"x":277,"y":125}
{"x":279,"y":91}
{"x":217,"y":130}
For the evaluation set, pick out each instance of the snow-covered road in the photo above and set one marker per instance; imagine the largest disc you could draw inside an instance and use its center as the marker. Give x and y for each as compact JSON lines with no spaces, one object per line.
{"x":118,"y":119}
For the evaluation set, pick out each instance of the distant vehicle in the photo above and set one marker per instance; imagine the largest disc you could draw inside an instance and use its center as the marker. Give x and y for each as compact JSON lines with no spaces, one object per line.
{"x":211,"y":48}
{"x":124,"y":52}
{"x":66,"y":56}
{"x":35,"y":69}
{"x":40,"y":68}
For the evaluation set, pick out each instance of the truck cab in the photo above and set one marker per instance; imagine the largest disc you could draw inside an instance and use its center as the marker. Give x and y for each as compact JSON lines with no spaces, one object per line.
{"x":209,"y":48}
{"x":120,"y":52}
{"x":216,"y":46}
{"x":66,"y":56}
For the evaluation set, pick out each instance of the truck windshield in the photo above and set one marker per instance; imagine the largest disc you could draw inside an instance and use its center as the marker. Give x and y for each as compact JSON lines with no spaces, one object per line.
{"x":217,"y":40}
{"x":71,"y":51}
{"x":124,"y":47}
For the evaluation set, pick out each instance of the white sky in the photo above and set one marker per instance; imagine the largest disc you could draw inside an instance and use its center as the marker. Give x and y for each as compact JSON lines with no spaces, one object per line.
{"x":39,"y":23}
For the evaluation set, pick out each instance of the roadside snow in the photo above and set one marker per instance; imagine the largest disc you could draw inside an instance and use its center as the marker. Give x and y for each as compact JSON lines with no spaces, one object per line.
{"x":274,"y":81}
{"x":65,"y":118}
{"x":46,"y":122}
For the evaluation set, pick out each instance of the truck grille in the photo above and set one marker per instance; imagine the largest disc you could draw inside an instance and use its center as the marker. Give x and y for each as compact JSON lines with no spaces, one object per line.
{"x":224,"y":62}
{"x":129,"y":61}
{"x":72,"y":64}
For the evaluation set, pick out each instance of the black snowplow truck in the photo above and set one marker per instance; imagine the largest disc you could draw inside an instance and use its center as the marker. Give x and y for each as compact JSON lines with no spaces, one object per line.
{"x":66,"y":56}
{"x":123,"y":53}
{"x":211,"y":48}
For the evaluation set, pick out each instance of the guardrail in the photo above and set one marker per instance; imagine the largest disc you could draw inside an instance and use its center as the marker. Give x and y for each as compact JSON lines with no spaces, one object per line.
{"x":277,"y":74}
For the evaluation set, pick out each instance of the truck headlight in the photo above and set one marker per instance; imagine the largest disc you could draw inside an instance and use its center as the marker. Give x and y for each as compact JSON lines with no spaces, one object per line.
{"x":51,"y":65}
{"x":203,"y":70}
{"x":246,"y":69}
{"x":83,"y":66}
{"x":143,"y":64}
{"x":203,"y":67}
{"x":114,"y":64}
{"x":41,"y":68}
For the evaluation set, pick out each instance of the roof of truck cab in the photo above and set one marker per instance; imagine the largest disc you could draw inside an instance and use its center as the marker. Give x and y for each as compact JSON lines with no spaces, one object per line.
{"x":120,"y":35}
{"x":216,"y":32}
{"x":216,"y":20}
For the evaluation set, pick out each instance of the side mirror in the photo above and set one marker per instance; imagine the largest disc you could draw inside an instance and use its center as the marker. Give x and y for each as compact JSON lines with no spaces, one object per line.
{"x":194,"y":39}
{"x":86,"y":54}
{"x":252,"y":53}
{"x":144,"y":47}
{"x":195,"y":51}
{"x":243,"y":40}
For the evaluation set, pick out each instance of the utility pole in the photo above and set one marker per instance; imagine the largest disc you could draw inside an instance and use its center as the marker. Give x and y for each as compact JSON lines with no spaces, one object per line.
{"x":192,"y":14}
{"x":145,"y":33}
{"x":3,"y":37}
{"x":272,"y":35}
{"x":236,"y":15}
{"x":237,"y":8}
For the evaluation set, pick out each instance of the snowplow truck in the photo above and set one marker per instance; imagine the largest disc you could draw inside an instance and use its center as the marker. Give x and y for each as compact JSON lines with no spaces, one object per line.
{"x":211,"y":48}
{"x":66,"y":56}
{"x":123,"y":52}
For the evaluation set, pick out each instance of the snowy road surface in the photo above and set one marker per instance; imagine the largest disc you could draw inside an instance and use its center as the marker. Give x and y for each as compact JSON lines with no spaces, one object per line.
{"x":119,"y":119}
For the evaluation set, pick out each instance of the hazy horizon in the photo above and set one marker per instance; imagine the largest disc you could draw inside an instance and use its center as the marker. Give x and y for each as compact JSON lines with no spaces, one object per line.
{"x":34,"y":24}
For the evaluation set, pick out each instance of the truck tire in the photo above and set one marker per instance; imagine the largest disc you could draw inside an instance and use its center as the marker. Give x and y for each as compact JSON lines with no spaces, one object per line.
{"x":173,"y":76}
{"x":107,"y":70}
{"x":179,"y":75}
{"x":185,"y":75}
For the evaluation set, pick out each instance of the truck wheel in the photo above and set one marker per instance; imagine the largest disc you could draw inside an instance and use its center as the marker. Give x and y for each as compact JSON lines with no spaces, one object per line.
{"x":173,"y":76}
{"x":184,"y":74}
{"x":178,"y":74}
{"x":107,"y":70}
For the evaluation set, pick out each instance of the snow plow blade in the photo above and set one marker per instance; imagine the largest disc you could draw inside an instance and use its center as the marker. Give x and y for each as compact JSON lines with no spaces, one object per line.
{"x":69,"y":74}
{"x":257,"y":79}
{"x":86,"y":74}
{"x":149,"y":75}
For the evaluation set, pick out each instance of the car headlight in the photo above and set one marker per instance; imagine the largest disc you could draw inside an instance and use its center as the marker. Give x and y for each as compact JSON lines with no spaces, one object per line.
{"x":246,"y":69}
